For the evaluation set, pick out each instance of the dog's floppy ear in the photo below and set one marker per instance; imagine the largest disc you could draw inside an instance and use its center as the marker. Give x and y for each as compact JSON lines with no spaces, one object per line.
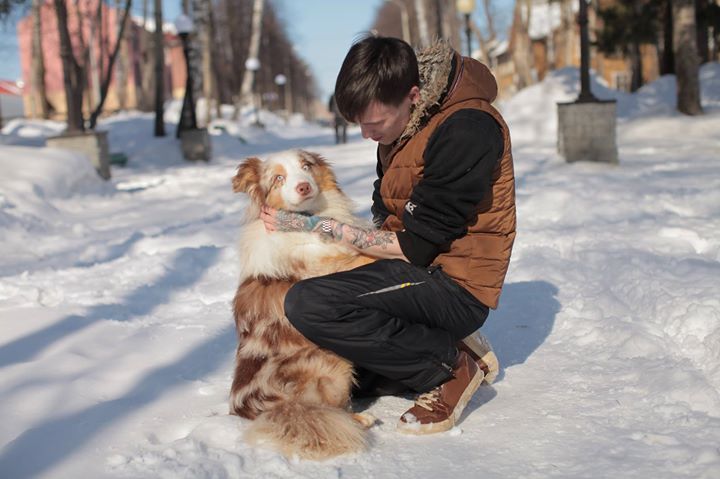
{"x":247,"y":178}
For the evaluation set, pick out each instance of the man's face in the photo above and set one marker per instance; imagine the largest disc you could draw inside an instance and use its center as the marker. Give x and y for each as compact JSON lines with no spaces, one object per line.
{"x":385,"y":123}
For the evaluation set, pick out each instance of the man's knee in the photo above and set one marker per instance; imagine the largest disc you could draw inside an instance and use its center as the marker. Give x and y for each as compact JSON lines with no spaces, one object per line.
{"x":301,"y":305}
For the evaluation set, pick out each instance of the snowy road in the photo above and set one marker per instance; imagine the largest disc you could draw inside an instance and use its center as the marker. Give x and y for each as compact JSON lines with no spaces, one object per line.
{"x":117,"y":340}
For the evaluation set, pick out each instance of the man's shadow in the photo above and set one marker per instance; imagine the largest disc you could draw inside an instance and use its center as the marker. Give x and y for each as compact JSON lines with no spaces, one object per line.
{"x":522,"y":322}
{"x":516,"y":329}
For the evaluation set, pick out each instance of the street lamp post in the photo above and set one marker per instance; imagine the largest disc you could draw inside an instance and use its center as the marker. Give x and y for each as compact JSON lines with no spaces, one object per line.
{"x":188,"y":120}
{"x":586,"y":127}
{"x":467,"y":7}
{"x":585,"y":92}
{"x":253,"y":64}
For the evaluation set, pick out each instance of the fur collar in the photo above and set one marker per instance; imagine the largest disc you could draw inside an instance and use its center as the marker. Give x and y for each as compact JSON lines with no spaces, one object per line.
{"x":435,"y":65}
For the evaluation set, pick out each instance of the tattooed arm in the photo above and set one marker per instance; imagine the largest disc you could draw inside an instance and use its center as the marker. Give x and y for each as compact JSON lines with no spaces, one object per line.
{"x":372,"y":242}
{"x":369,"y":241}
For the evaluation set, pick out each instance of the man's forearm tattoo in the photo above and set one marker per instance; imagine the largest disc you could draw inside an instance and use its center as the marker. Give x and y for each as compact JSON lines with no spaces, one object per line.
{"x":333,"y":230}
{"x":358,"y":237}
{"x":363,"y":239}
{"x":291,"y":221}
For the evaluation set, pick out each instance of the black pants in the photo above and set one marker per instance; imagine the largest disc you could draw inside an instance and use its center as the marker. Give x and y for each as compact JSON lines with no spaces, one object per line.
{"x":398,"y":323}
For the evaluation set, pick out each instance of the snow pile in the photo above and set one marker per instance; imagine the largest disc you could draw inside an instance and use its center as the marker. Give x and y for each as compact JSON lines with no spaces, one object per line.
{"x":532,"y":111}
{"x":31,"y":184}
{"x":117,"y":336}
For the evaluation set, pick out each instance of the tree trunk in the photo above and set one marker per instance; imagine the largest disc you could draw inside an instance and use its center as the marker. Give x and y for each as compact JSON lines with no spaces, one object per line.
{"x":212,"y":65}
{"x":121,"y":82}
{"x":568,"y":32}
{"x":489,"y":17}
{"x":703,"y":37}
{"x":95,"y":55}
{"x":72,"y":72}
{"x":146,"y":65}
{"x":246,"y":89}
{"x":667,"y":61}
{"x":105,"y":87}
{"x":203,"y":47}
{"x":687,"y":62}
{"x":482,"y":44}
{"x":159,"y":70}
{"x":422,"y":24}
{"x":636,"y":67}
{"x":440,"y":31}
{"x":522,"y":49}
{"x":39,"y":96}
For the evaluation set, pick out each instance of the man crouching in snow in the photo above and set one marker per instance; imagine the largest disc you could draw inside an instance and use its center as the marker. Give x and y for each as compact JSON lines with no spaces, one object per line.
{"x":445,"y":204}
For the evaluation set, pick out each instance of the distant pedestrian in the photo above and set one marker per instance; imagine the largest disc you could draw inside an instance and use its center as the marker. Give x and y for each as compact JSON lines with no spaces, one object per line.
{"x":339,"y":122}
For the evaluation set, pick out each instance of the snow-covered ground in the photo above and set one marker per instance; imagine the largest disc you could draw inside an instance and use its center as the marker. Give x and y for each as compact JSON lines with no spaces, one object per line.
{"x":117,"y":339}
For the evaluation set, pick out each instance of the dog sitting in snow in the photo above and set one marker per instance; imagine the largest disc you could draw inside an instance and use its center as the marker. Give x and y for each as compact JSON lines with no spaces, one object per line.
{"x":296,"y":393}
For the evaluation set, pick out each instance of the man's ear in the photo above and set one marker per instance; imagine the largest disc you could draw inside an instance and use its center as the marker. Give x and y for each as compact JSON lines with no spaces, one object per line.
{"x":414,"y":94}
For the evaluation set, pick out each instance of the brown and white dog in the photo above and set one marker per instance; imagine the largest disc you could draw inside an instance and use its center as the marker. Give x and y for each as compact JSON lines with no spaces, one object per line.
{"x":296,"y":393}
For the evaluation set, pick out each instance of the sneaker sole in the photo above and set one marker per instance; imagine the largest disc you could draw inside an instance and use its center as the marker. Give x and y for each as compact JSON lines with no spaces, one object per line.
{"x":422,"y":429}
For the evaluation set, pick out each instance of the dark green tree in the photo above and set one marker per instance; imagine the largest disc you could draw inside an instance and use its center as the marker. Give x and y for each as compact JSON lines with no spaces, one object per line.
{"x":626,"y":25}
{"x":7,"y":6}
{"x":707,"y":18}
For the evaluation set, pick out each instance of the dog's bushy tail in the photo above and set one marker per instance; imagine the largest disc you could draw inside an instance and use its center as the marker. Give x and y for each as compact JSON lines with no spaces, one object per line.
{"x":308,"y":431}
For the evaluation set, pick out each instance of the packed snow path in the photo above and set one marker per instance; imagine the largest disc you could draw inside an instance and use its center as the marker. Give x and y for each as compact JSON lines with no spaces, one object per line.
{"x":117,"y":339}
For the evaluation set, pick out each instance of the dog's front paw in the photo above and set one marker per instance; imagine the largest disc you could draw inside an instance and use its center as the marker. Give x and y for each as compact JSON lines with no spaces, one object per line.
{"x":366,"y":420}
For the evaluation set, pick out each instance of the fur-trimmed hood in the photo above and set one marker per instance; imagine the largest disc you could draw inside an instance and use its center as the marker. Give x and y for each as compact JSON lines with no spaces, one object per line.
{"x":439,"y":81}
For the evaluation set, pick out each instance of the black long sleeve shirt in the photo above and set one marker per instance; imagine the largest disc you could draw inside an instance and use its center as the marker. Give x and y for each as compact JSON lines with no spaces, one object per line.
{"x":460,"y":158}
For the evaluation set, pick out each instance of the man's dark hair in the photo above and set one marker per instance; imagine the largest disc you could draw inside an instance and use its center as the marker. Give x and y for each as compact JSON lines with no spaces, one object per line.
{"x":376,"y":68}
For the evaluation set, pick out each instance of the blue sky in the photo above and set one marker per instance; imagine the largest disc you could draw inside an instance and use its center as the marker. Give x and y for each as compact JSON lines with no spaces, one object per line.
{"x":322,"y":30}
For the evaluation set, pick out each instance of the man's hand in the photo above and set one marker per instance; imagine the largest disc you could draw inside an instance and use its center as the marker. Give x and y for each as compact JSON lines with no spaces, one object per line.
{"x":281,"y":220}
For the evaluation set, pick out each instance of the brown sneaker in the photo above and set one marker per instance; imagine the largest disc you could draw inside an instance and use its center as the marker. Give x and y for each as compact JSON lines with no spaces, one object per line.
{"x":479,"y":348}
{"x":439,"y":409}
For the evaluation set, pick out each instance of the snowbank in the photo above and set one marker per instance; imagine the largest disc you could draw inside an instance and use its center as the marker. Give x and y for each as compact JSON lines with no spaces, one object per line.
{"x":532,"y":112}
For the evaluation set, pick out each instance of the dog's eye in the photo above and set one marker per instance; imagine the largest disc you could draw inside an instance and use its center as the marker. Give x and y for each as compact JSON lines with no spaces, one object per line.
{"x":278,"y":178}
{"x":306,"y":166}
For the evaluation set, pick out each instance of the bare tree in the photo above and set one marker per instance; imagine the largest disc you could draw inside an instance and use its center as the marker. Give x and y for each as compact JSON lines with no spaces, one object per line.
{"x":485,"y":41}
{"x":421,"y":17}
{"x":159,"y":70}
{"x":521,"y":44}
{"x":73,"y":72}
{"x":209,"y":77}
{"x":95,"y":58}
{"x":490,"y":20}
{"x":39,"y":96}
{"x":104,"y":88}
{"x":482,"y":42}
{"x":567,"y":22}
{"x":146,"y":66}
{"x":122,"y":60}
{"x":253,"y":50}
{"x":687,"y":61}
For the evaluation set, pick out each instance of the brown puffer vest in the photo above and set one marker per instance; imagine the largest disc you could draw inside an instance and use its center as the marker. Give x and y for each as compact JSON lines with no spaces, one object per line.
{"x":479,"y":260}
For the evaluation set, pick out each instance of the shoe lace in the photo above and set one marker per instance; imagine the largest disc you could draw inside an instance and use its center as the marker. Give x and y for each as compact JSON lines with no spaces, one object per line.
{"x":429,"y":399}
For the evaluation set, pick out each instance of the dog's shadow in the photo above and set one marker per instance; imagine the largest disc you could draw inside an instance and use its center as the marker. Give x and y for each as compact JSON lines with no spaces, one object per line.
{"x":516,"y":329}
